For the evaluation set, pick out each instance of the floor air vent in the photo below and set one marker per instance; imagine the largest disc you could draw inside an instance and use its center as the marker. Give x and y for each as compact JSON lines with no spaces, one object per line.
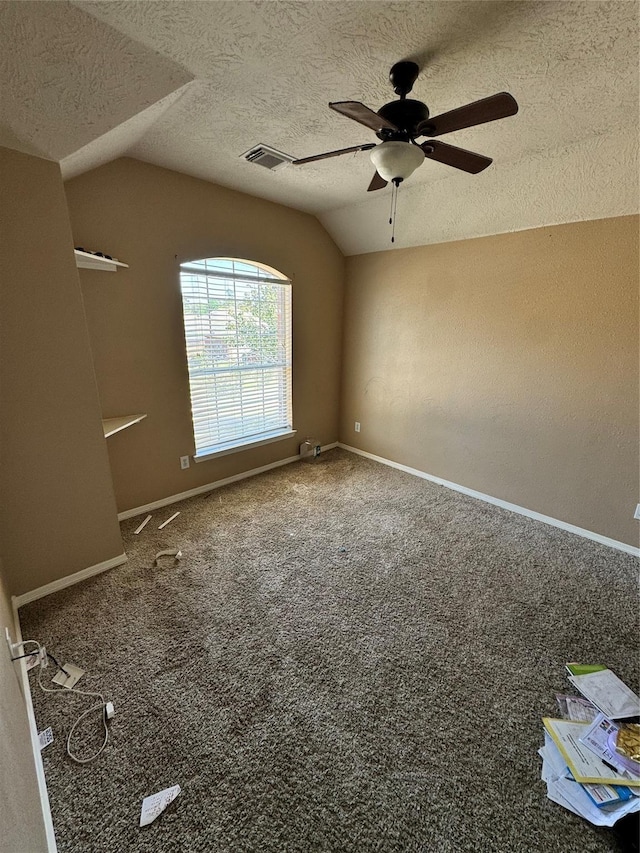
{"x":268,"y":157}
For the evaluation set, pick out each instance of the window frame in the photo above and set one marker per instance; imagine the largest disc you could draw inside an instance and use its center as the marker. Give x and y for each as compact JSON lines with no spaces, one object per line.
{"x":265,"y":275}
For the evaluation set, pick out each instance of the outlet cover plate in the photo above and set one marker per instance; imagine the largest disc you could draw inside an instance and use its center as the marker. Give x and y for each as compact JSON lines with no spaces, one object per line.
{"x":636,"y":514}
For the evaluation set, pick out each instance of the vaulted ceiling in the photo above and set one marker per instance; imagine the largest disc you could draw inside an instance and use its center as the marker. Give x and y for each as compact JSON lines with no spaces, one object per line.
{"x":192,"y":85}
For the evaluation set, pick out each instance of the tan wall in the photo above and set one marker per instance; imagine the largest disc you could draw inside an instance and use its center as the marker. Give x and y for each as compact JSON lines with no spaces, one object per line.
{"x":506,"y":364}
{"x":146,"y":216}
{"x":21,"y":824}
{"x":57,"y":509}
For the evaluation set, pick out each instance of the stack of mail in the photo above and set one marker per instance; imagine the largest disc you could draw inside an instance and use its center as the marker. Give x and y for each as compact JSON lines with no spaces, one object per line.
{"x":580,"y":765}
{"x":600,"y":804}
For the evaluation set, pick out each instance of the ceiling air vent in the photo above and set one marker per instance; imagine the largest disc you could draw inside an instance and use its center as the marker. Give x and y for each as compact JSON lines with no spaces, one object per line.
{"x":268,"y":157}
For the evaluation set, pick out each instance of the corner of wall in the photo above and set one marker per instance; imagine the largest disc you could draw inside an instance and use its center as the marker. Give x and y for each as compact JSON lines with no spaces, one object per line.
{"x":58,"y":512}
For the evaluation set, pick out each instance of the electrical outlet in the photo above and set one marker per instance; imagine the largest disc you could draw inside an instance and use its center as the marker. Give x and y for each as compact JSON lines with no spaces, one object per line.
{"x":357,"y":426}
{"x":16,"y":651}
{"x":184,"y":462}
{"x":636,"y":514}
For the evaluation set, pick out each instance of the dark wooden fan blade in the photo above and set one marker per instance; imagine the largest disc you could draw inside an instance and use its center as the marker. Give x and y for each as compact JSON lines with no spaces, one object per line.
{"x":459,"y":158}
{"x":358,"y":112}
{"x":377,"y":183}
{"x":479,"y":112}
{"x":365,"y":147}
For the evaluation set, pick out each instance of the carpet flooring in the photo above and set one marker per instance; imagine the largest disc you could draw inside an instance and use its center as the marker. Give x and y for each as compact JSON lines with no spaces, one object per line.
{"x":347,"y":658}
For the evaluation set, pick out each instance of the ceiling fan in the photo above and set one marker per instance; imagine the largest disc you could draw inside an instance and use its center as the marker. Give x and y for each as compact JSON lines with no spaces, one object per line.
{"x":399,"y":123}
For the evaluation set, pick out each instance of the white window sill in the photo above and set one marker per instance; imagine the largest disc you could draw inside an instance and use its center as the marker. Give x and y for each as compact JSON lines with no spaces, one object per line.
{"x":236,"y":446}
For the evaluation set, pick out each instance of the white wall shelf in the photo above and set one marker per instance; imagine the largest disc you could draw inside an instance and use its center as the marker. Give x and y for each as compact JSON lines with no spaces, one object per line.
{"x":113,"y":425}
{"x":87,"y":261}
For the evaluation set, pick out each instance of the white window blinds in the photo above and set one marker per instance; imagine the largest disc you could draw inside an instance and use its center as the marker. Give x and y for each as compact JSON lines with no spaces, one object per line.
{"x":237,"y":321}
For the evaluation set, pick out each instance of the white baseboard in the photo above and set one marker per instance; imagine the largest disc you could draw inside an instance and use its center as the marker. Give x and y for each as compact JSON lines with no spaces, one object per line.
{"x":209,"y":487}
{"x":68,"y":580}
{"x":20,"y":600}
{"x":83,"y":574}
{"x":529,"y":513}
{"x":35,"y":745}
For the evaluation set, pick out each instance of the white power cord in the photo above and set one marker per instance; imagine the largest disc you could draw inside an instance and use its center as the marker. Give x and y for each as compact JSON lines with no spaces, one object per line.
{"x":105,"y":707}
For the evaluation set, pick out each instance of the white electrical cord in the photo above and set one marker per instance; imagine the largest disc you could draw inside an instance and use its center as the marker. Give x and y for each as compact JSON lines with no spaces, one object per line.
{"x":102,"y":706}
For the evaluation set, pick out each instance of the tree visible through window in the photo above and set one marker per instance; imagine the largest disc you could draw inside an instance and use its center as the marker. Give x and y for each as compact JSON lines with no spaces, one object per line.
{"x":237,"y":320}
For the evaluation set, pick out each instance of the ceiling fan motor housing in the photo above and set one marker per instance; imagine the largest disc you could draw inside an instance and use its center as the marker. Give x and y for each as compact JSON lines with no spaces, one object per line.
{"x":406,"y":114}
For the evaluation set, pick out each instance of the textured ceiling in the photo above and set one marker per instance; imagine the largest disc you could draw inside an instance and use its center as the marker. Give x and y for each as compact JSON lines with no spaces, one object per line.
{"x":67,"y":78}
{"x":192,"y":85}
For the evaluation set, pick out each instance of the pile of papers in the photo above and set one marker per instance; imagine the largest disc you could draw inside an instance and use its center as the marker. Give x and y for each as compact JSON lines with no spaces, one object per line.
{"x":580,"y":765}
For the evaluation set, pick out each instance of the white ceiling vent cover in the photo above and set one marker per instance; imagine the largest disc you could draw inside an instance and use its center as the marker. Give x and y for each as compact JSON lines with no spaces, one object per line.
{"x":268,"y":157}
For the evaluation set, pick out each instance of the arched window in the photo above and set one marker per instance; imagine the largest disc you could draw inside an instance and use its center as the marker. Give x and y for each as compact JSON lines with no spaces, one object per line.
{"x":237,"y":321}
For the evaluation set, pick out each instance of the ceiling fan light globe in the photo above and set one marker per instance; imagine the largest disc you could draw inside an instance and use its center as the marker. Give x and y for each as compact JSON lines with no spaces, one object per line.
{"x":396,"y":160}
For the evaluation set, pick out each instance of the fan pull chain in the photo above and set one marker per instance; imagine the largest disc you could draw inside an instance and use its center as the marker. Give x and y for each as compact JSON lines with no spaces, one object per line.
{"x":395,"y":184}
{"x":395,"y":208}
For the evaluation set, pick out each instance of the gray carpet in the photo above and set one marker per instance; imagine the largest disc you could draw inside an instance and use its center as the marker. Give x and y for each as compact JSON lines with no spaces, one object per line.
{"x":347,"y":659}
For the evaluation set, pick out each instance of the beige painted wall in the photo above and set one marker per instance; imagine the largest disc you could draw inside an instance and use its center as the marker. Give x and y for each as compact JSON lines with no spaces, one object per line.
{"x":21,"y":824}
{"x":146,"y":216}
{"x":506,"y":364}
{"x":57,"y":508}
